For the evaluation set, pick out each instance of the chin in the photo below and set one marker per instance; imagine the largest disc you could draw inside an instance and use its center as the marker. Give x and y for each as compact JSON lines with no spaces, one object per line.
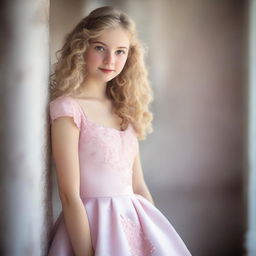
{"x":110,"y":78}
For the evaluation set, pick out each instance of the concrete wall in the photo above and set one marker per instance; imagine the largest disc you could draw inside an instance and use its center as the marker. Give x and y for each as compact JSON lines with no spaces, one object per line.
{"x":25,"y":204}
{"x":198,"y":57}
{"x":251,"y":138}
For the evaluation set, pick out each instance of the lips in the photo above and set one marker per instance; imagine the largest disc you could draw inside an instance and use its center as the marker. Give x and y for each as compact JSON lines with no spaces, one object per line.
{"x":106,"y":70}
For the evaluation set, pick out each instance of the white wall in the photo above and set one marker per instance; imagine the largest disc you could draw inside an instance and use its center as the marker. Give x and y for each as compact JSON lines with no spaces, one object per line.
{"x":251,"y":228}
{"x":24,"y":65}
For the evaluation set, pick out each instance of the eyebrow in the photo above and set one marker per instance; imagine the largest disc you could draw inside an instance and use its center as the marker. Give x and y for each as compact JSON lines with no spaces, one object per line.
{"x":94,"y":42}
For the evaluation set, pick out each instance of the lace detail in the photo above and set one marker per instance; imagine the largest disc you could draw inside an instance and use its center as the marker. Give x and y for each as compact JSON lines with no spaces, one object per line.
{"x":109,"y":147}
{"x":113,"y":152}
{"x":139,"y":243}
{"x":62,"y":106}
{"x":120,"y":155}
{"x":117,"y":149}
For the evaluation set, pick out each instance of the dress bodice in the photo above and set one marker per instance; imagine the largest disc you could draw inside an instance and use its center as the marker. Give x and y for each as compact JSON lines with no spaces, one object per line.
{"x":106,"y":154}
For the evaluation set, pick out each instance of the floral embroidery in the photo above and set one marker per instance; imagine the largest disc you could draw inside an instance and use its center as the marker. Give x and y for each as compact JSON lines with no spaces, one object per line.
{"x":61,"y":107}
{"x":117,"y":149}
{"x":110,"y":147}
{"x":113,"y":151}
{"x":139,"y":244}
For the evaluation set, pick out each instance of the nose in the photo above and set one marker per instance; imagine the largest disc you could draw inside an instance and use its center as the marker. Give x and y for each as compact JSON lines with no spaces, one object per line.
{"x":109,"y":58}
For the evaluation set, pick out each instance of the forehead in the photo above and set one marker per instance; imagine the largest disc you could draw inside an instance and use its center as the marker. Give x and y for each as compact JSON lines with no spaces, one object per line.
{"x":114,"y":37}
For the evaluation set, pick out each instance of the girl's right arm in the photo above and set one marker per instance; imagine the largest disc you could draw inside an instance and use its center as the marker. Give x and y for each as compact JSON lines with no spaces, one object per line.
{"x":64,"y":138}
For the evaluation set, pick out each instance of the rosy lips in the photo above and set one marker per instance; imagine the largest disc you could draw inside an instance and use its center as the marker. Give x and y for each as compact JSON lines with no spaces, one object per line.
{"x":106,"y":70}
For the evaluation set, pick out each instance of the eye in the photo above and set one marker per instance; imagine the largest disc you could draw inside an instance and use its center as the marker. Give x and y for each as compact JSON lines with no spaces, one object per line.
{"x":120,"y":52}
{"x":99,"y":48}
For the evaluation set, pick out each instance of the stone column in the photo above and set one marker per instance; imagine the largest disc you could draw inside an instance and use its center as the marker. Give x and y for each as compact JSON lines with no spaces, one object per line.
{"x":24,"y":71}
{"x":251,"y":223}
{"x":64,"y":15}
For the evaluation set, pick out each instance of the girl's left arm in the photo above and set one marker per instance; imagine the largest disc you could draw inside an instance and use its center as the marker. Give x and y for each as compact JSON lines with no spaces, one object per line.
{"x":139,"y":184}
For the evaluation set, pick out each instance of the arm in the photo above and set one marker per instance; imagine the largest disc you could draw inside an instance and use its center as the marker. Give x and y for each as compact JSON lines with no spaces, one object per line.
{"x":64,"y":136}
{"x":139,"y":184}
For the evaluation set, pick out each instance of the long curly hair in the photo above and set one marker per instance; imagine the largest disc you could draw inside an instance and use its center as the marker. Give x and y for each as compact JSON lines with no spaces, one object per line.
{"x":129,"y":91}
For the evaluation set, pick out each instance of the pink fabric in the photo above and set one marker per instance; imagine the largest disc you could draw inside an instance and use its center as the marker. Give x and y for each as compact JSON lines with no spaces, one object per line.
{"x":122,"y":223}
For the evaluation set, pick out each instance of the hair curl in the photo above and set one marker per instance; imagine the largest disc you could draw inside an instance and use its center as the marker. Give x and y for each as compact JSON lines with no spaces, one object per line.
{"x":130,"y":91}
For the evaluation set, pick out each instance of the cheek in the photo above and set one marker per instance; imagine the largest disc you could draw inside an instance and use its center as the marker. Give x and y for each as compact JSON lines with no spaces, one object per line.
{"x":121,"y":63}
{"x":92,"y":58}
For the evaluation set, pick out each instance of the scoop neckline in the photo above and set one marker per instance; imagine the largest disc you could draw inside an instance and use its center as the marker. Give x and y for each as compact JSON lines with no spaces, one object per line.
{"x":94,"y":123}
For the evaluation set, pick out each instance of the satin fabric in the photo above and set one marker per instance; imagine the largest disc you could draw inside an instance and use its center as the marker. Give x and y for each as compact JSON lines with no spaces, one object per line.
{"x":121,"y":222}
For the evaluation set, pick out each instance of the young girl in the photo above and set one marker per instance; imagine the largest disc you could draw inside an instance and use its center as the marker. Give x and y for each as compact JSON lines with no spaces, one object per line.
{"x":99,"y":109}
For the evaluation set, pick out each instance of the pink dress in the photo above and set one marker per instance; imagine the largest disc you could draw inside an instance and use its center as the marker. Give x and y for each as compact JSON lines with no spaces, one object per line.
{"x":121,"y":222}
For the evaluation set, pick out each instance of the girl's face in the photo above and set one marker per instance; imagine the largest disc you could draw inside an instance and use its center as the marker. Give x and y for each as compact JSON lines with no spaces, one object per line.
{"x":107,"y":54}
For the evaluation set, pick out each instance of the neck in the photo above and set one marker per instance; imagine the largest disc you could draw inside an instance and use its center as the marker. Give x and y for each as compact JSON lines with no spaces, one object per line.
{"x":94,"y":89}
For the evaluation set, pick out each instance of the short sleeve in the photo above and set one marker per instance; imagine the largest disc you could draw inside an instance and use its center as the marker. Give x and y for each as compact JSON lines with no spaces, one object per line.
{"x":64,"y":106}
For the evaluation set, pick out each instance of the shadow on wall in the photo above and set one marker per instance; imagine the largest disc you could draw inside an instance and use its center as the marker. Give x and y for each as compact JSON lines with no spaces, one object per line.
{"x":196,"y":64}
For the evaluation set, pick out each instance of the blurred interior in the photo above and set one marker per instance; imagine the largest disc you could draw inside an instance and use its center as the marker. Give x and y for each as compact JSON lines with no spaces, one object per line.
{"x":194,"y":161}
{"x":200,"y":161}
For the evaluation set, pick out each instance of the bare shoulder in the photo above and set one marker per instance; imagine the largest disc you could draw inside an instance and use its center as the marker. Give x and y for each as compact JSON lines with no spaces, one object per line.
{"x":93,"y":107}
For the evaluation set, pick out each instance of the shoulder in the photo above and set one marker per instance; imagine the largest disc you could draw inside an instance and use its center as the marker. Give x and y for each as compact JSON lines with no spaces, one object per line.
{"x":61,"y":99}
{"x":64,"y":106}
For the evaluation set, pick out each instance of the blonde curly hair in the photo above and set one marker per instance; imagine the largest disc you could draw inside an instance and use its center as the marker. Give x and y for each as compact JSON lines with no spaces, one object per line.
{"x":129,"y":91}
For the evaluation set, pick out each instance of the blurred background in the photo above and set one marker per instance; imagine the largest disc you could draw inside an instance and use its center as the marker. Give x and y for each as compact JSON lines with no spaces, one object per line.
{"x":200,"y":161}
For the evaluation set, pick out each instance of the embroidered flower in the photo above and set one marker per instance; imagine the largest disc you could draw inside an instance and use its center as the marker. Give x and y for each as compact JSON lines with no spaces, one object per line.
{"x":139,"y":243}
{"x":111,"y":149}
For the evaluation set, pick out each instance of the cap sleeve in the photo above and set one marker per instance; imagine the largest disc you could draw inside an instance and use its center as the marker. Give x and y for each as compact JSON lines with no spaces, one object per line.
{"x":63,"y":106}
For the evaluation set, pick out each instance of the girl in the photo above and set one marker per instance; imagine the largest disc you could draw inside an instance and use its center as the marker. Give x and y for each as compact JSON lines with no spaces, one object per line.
{"x":99,"y":110}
